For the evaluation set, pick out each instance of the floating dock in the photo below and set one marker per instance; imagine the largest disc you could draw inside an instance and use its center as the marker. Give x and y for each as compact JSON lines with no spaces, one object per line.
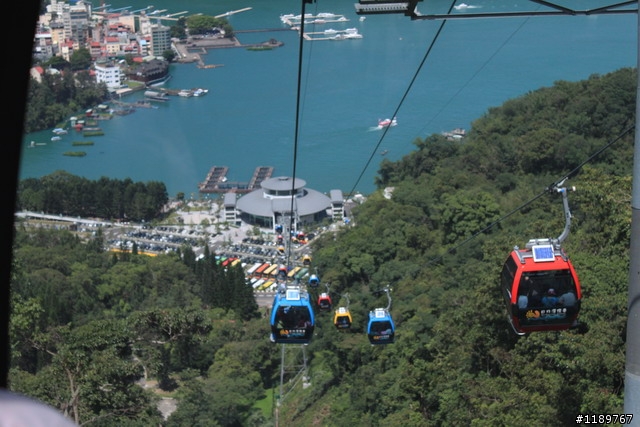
{"x":216,"y":180}
{"x":261,"y":173}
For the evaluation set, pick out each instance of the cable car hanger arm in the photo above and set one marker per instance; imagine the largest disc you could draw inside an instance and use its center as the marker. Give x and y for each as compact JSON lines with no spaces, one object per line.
{"x":409,"y":8}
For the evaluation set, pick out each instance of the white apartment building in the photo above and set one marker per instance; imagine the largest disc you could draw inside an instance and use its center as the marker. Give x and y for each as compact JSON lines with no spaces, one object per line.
{"x":110,"y":74}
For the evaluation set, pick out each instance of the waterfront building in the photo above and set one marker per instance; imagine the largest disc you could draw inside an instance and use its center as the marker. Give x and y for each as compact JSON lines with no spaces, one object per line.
{"x":230,"y":212}
{"x":109,"y":73}
{"x":272,"y":204}
{"x":149,"y":72}
{"x":160,"y":39}
{"x":337,"y":205}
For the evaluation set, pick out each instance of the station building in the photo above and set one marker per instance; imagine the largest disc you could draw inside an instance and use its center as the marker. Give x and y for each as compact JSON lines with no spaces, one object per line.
{"x":272,"y":204}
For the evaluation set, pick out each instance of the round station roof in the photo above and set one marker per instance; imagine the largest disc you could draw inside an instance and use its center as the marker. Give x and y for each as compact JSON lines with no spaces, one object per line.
{"x":282,"y":183}
{"x":256,"y":203}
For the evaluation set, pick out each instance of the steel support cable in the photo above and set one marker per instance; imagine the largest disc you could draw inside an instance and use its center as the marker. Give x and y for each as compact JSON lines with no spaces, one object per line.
{"x":406,"y":93}
{"x":293,"y":208}
{"x":572,"y":173}
{"x":593,"y":156}
{"x":475,"y":74}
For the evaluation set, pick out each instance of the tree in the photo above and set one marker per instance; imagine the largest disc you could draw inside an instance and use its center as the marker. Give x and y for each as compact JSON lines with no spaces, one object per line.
{"x":80,"y":59}
{"x":57,"y":62}
{"x":91,"y":375}
{"x":169,"y":55}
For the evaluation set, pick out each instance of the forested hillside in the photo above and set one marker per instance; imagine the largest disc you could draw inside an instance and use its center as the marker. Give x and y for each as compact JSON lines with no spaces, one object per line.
{"x":87,"y":325}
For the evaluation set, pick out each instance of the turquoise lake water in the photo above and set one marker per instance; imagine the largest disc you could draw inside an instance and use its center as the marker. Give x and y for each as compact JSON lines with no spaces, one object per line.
{"x":248,"y":118}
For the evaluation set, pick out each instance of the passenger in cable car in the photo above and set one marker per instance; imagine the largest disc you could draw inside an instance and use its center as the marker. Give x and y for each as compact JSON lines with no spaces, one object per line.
{"x":381,"y":328}
{"x":538,"y":303}
{"x":292,"y":324}
{"x":550,"y":299}
{"x":568,"y":299}
{"x":342,"y":321}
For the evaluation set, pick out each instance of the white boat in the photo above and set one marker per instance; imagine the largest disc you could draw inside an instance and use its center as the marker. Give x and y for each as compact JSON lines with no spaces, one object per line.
{"x":156,"y":96}
{"x":330,"y":31}
{"x":200,"y":92}
{"x":60,"y":131}
{"x":387,"y":122}
{"x":352,"y":33}
{"x":56,"y":138}
{"x":457,"y":133}
{"x":349,"y":33}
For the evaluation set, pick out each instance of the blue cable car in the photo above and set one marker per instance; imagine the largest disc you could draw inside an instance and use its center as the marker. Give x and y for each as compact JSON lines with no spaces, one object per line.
{"x":314,"y":281}
{"x":380,"y":329}
{"x":292,"y":318}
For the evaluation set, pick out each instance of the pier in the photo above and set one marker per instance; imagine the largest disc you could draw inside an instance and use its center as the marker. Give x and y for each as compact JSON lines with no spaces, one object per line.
{"x":321,"y":18}
{"x":216,"y":180}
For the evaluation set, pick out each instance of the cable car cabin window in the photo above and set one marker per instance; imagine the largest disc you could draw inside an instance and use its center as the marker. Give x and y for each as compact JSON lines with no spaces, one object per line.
{"x":292,"y":324}
{"x":507,"y":277}
{"x":342,"y":322}
{"x":547,"y":298}
{"x":381,"y":332}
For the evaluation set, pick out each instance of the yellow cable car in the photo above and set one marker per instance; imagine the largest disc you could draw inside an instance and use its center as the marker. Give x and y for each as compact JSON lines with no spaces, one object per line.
{"x":306,"y":260}
{"x":342,"y":318}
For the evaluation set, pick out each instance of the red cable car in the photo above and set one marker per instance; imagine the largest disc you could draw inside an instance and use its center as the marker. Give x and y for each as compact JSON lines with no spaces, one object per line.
{"x":540,"y":286}
{"x":324,"y":302}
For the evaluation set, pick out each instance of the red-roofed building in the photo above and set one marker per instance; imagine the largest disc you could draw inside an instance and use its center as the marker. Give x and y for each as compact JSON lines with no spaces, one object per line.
{"x":112,"y":45}
{"x":95,"y":49}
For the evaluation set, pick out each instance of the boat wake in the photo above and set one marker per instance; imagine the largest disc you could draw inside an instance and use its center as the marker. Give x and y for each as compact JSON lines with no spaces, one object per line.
{"x":464,"y":6}
{"x":385,"y":123}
